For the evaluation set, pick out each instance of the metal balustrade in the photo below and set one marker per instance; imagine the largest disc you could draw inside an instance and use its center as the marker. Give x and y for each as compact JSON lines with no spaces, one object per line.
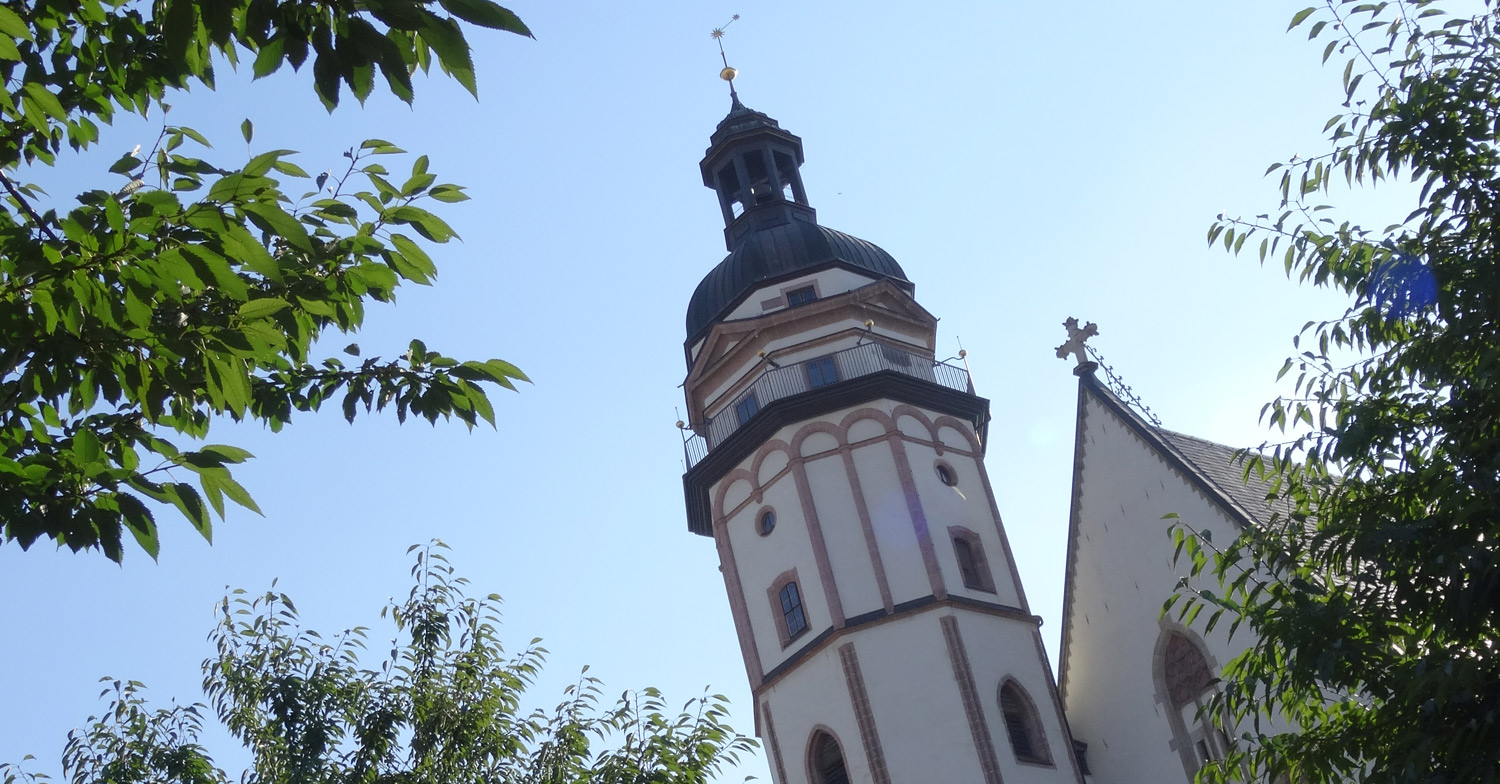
{"x":789,"y":380}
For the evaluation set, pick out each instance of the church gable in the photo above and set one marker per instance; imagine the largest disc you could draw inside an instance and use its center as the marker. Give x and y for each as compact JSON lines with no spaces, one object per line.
{"x":1115,"y":676}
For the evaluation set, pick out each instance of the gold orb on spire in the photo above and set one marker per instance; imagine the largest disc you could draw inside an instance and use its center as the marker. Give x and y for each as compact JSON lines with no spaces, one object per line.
{"x":729,"y":73}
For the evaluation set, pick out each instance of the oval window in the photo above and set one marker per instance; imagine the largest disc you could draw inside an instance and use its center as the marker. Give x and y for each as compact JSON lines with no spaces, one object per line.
{"x":767,"y":522}
{"x":946,"y":475}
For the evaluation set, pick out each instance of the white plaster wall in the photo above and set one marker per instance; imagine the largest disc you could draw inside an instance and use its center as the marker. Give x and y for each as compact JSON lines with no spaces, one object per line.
{"x":848,"y":552}
{"x":919,"y":712}
{"x":829,"y":282}
{"x":813,"y":694}
{"x":908,"y":674}
{"x":1124,"y":572}
{"x":966,"y":504}
{"x":761,"y":559}
{"x":915,"y":699}
{"x":890,"y":518}
{"x":1001,"y":648}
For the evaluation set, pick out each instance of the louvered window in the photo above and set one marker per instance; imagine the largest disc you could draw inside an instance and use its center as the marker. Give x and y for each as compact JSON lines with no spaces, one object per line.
{"x":1026,"y":737}
{"x":828,"y":761}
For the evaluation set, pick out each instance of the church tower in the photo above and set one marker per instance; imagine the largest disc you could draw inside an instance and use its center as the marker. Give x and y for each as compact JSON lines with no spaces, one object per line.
{"x":839,"y":468}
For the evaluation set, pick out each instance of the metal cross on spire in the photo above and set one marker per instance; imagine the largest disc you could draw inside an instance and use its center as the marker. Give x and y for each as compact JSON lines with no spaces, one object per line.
{"x":729,"y":72}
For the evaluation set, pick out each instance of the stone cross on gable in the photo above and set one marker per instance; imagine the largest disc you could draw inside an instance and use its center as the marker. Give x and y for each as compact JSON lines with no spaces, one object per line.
{"x":1076,"y":339}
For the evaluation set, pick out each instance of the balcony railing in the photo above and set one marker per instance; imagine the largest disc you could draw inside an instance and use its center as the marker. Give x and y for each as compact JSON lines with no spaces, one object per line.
{"x":821,"y":371}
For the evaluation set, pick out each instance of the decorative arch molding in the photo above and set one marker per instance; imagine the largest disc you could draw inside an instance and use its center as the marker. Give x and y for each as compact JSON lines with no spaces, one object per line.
{"x":860,"y":414}
{"x":840,"y":432}
{"x":728,"y":482}
{"x":809,"y":429}
{"x":1023,"y":724}
{"x":1169,"y":641}
{"x":761,"y":455}
{"x":907,"y":409}
{"x":965,"y":430}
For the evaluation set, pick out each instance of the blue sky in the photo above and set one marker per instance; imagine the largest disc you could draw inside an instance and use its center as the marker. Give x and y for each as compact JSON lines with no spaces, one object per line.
{"x":1024,"y":163}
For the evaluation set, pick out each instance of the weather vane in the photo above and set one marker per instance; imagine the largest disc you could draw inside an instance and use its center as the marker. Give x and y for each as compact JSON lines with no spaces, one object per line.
{"x":729,"y":72}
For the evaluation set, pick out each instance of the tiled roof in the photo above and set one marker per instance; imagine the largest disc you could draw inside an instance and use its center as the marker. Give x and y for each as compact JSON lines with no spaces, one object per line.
{"x":1223,"y":468}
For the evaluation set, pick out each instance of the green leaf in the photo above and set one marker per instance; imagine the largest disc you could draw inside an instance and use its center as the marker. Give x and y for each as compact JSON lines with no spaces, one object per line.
{"x":45,"y":100}
{"x":447,"y":39}
{"x":448,"y":193}
{"x":86,"y":446}
{"x":262,"y":307}
{"x":271,"y":218}
{"x":12,"y":26}
{"x":126,"y":163}
{"x":247,"y":129}
{"x":142,"y":526}
{"x":226,"y":453}
{"x":487,"y":14}
{"x":1300,"y":17}
{"x":268,"y":60}
{"x":426,"y":224}
{"x":381,"y":147}
{"x":417,"y":265}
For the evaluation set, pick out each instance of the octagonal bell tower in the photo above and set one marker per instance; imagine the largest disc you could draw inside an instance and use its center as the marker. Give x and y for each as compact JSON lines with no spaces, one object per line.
{"x":839,"y":469}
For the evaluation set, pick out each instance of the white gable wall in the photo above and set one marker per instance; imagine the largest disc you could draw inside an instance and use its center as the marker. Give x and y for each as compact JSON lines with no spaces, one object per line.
{"x":1122,"y":572}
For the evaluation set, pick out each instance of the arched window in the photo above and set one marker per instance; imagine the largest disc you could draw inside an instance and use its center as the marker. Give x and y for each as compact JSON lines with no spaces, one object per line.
{"x":826,"y":760}
{"x":1186,"y":680}
{"x":973,"y":567}
{"x":1027,"y":739}
{"x":788,"y":612}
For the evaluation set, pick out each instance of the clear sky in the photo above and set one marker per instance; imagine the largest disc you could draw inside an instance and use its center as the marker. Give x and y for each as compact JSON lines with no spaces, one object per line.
{"x":1023,"y":162}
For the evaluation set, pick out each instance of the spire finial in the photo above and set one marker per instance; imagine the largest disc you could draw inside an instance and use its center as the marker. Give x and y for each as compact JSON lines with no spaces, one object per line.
{"x":729,"y":72}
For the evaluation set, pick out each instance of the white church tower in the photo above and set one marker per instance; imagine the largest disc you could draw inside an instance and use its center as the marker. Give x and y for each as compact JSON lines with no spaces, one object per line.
{"x":839,"y":469}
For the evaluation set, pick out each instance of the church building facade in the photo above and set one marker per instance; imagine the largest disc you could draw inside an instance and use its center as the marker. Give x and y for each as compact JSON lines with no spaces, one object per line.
{"x":839,"y":468}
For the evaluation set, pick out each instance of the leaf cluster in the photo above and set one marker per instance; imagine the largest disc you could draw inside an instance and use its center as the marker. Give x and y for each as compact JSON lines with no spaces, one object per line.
{"x":1373,"y":592}
{"x":195,"y":289}
{"x":444,"y":706}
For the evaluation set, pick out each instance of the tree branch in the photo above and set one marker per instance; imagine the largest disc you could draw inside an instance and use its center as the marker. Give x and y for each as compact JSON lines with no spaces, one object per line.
{"x":15,"y":193}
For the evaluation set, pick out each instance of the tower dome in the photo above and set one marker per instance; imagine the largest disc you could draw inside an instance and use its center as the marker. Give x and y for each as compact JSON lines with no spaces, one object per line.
{"x":777,"y":252}
{"x":771,"y":231}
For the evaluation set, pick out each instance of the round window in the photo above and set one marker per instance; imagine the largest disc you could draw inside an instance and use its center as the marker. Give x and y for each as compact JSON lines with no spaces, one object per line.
{"x":946,"y":475}
{"x":767,"y":522}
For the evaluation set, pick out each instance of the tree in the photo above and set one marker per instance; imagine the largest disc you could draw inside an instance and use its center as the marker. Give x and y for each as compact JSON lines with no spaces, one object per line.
{"x":1373,"y":596}
{"x":443,"y":708}
{"x":186,"y":291}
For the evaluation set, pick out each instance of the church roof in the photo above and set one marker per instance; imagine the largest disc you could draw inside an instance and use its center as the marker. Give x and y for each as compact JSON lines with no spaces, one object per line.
{"x":777,"y":252}
{"x":1223,"y":468}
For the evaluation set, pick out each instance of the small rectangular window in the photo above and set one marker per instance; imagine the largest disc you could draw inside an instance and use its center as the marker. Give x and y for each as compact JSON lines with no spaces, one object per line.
{"x":821,"y":372}
{"x":747,"y":408}
{"x":791,"y":611}
{"x":801,"y":296}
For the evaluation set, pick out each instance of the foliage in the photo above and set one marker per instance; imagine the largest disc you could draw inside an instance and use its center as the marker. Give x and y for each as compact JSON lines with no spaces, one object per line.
{"x":185,"y":290}
{"x":443,"y":708}
{"x":1374,"y":593}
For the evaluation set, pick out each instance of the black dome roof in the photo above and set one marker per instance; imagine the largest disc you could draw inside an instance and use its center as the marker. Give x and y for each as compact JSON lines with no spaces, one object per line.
{"x":776,"y":252}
